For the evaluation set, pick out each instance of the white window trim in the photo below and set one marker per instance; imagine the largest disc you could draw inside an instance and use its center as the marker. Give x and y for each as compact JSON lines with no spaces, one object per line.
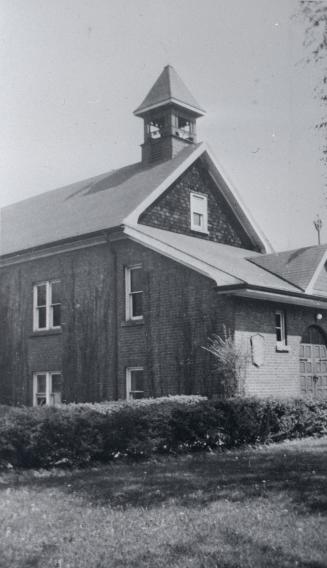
{"x":48,"y":306}
{"x":129,"y":295}
{"x":281,"y":345}
{"x":48,"y":386}
{"x":194,"y":227}
{"x":129,"y":391}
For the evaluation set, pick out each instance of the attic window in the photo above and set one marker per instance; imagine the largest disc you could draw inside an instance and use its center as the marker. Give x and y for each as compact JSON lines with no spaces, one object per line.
{"x":199,"y":212}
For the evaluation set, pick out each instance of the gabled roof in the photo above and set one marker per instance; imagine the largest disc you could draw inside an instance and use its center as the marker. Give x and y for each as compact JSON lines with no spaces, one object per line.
{"x":169,"y":89}
{"x":298,"y":266}
{"x":226,"y":264}
{"x":85,"y":207}
{"x":108,"y":201}
{"x":230,"y":267}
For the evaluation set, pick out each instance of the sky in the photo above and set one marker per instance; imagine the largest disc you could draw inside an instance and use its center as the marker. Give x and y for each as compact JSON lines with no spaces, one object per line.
{"x":73,"y":71}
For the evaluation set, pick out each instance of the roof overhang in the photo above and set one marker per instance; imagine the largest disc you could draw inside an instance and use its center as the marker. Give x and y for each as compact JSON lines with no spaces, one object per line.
{"x":310,"y":287}
{"x":220,"y":277}
{"x":169,"y":101}
{"x":234,"y":200}
{"x":257,"y":293}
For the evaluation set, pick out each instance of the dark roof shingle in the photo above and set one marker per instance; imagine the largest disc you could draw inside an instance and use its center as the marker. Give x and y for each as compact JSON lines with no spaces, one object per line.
{"x":296,"y":266}
{"x":85,"y":207}
{"x":168,"y":88}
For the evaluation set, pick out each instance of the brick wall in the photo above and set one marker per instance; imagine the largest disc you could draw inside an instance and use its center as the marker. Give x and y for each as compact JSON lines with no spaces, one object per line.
{"x":162,"y":149}
{"x":81,"y":348}
{"x":172,"y":210}
{"x":278,"y":376}
{"x":181,"y":309}
{"x":96,"y":344}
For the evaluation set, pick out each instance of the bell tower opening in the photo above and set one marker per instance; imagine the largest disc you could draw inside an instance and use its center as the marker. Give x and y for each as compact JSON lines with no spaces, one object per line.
{"x":169,"y":112}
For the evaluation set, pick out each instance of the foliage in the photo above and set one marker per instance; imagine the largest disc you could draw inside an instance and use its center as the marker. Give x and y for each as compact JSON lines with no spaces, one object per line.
{"x":315,"y":13}
{"x":110,"y":406}
{"x":231,"y":363}
{"x":78,"y":435}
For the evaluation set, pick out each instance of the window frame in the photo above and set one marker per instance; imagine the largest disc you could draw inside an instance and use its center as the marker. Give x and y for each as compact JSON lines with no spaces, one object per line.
{"x":129,"y":392}
{"x":281,"y":345}
{"x":203,"y":228}
{"x":48,"y":394}
{"x":129,"y":293}
{"x":48,"y":306}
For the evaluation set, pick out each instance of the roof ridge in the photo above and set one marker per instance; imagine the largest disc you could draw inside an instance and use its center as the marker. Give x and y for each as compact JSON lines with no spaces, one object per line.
{"x":169,"y":67}
{"x":288,"y":251}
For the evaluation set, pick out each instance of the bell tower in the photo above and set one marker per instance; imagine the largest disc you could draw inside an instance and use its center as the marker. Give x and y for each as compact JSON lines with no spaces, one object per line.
{"x":169,"y":112}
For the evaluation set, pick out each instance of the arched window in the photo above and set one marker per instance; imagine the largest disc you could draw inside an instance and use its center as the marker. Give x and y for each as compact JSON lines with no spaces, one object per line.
{"x":314,"y":335}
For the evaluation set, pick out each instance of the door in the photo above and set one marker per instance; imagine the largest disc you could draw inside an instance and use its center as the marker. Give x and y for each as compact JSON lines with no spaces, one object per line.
{"x":313,"y":364}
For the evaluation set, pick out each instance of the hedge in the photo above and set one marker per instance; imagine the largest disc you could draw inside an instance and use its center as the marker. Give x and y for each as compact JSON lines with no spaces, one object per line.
{"x":77,"y":435}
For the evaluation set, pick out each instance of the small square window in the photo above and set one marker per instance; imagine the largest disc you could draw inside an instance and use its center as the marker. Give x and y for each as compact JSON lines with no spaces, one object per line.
{"x":134,"y":383}
{"x":199,"y":212}
{"x":134,"y":292}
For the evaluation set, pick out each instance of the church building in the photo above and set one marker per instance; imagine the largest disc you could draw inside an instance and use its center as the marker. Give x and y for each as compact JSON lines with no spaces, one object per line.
{"x":110,"y":288}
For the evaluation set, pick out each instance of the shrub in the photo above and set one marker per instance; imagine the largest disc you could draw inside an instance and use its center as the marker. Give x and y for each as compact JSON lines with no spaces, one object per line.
{"x":231,"y":362}
{"x":80,"y":434}
{"x":110,"y":406}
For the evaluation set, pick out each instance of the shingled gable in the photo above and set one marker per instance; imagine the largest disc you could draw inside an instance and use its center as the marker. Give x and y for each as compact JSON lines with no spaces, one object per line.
{"x":107,"y":202}
{"x":223,"y":185}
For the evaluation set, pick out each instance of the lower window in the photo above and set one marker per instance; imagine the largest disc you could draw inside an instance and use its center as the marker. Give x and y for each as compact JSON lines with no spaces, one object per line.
{"x":134,"y":383}
{"x":47,"y":388}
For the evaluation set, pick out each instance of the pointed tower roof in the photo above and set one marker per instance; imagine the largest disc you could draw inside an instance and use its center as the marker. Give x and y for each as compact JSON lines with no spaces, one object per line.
{"x":169,"y":89}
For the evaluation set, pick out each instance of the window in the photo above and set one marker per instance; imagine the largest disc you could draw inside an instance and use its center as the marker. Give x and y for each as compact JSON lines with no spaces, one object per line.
{"x":280,"y":328}
{"x":134,"y":292}
{"x":47,"y":389}
{"x":156,"y":127}
{"x":199,"y":212}
{"x":134,"y":383}
{"x":47,"y":306}
{"x":185,"y":128}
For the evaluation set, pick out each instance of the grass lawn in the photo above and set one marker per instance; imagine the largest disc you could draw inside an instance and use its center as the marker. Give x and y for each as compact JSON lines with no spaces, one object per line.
{"x":264,"y":507}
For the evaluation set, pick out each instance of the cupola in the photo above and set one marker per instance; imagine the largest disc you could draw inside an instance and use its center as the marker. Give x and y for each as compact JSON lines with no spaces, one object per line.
{"x":169,"y":112}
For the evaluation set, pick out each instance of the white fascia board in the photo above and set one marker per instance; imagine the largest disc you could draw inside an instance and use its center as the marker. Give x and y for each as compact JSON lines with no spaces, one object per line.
{"x":171,"y":100}
{"x":276,"y":297}
{"x":309,"y":289}
{"x":219,"y":276}
{"x":229,"y":190}
{"x":133,"y":217}
{"x":27,"y":256}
